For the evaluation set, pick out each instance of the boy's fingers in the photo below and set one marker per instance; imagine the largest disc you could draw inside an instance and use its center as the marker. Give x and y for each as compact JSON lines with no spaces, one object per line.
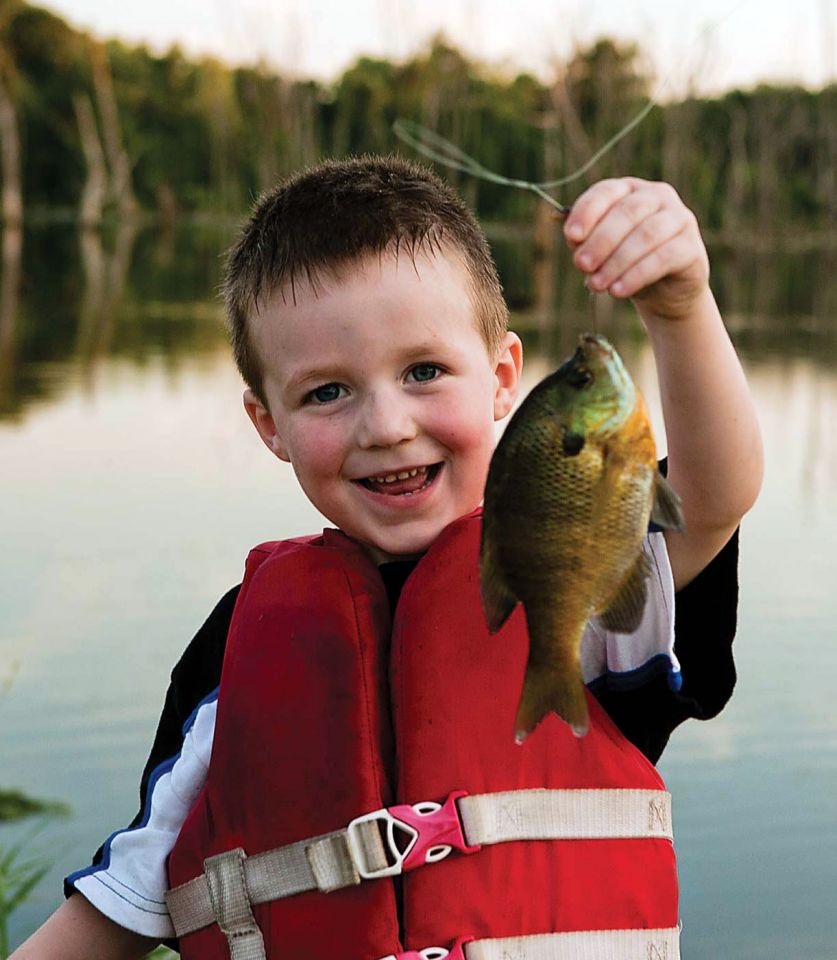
{"x":591,"y":206}
{"x":651,"y":234}
{"x":674,"y":257}
{"x":620,"y":221}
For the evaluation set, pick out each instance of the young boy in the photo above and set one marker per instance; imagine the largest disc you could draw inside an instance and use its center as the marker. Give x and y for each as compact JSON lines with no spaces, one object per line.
{"x":368,"y":323}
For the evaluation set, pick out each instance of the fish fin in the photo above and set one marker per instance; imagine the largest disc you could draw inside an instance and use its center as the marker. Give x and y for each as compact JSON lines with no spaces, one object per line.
{"x":546,"y":691}
{"x":666,"y":510}
{"x":497,"y":601}
{"x":624,"y":612}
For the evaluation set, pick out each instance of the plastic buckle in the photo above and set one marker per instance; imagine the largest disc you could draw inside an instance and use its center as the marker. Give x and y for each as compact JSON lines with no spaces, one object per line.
{"x":429,"y":832}
{"x":456,"y":952}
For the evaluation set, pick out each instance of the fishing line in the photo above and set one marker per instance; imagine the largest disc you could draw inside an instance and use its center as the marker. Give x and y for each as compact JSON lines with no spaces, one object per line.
{"x":448,"y":154}
{"x":435,"y":147}
{"x":594,"y":313}
{"x":418,"y":137}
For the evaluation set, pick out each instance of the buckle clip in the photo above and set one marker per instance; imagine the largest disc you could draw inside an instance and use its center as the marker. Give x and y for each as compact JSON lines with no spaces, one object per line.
{"x":429,"y":831}
{"x":456,"y":952}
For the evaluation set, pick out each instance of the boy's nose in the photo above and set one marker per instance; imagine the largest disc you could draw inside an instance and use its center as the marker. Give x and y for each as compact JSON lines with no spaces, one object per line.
{"x":386,"y":421}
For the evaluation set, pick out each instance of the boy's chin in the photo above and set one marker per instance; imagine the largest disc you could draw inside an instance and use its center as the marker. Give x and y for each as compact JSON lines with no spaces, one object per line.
{"x":410,"y":547}
{"x":380,"y":555}
{"x":407,"y":546}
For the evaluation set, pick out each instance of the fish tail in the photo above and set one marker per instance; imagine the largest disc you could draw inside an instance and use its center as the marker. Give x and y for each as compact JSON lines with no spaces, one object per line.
{"x":545,"y":690}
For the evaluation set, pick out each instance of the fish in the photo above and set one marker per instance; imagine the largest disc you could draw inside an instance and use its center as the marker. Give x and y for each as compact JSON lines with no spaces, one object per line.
{"x":571,"y":487}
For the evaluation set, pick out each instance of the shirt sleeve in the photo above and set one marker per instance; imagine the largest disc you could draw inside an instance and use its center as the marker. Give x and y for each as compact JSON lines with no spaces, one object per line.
{"x":127,"y":878}
{"x":705,"y":615}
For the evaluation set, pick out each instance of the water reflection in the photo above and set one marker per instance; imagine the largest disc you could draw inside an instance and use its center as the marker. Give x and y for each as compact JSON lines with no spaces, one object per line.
{"x":105,"y":275}
{"x":9,"y":291}
{"x":71,"y":299}
{"x":780,"y":303}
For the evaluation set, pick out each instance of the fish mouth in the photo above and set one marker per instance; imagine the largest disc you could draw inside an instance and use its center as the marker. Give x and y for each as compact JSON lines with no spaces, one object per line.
{"x":402,"y":483}
{"x":593,"y":343}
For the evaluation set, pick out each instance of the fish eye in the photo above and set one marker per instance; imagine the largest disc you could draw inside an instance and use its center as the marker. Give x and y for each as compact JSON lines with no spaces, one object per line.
{"x":572,"y":443}
{"x":579,"y":377}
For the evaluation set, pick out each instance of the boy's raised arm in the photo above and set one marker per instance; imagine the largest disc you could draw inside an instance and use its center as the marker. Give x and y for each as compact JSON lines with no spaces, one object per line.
{"x":77,"y":931}
{"x":637,"y":239}
{"x":714,"y":444}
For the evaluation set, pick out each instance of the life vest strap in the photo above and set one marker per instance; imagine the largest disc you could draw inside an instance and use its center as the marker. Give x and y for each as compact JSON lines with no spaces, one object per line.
{"x":319,"y":863}
{"x":566,"y":815}
{"x":661,"y":944}
{"x":231,"y":905}
{"x":428,"y":832}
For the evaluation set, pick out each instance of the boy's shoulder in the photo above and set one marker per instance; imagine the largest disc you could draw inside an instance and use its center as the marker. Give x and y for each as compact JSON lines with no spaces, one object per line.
{"x":198,"y":671}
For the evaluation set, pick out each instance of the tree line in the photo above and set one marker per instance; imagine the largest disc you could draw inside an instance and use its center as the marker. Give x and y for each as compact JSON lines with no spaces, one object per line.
{"x":90,"y":129}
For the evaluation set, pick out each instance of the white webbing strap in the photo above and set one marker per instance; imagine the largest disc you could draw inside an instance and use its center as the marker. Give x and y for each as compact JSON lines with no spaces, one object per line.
{"x":231,"y":905}
{"x":330,"y":862}
{"x":583,"y":945}
{"x":565,"y":815}
{"x":321,"y":863}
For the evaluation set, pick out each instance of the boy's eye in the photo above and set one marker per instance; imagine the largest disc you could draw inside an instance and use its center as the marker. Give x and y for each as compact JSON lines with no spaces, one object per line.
{"x":422,"y":372}
{"x":327,"y":393}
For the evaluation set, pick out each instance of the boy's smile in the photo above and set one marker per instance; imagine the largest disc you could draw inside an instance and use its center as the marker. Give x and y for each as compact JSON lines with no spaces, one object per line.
{"x":383,"y":396}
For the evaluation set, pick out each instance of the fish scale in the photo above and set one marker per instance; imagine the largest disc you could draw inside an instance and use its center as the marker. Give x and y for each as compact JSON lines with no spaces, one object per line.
{"x":568,"y":498}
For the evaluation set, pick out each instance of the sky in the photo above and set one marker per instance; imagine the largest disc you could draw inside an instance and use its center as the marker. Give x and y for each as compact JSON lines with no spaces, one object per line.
{"x":711,"y":45}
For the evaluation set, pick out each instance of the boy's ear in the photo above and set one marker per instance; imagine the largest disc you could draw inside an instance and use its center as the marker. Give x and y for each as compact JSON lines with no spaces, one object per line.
{"x":507,"y":374}
{"x":265,"y":425}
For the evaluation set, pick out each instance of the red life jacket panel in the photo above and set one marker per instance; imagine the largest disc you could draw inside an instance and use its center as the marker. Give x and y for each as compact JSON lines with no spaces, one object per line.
{"x":321,"y":719}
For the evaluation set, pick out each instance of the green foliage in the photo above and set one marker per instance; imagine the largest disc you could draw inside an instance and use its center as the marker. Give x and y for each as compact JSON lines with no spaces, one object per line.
{"x":20,"y":875}
{"x":605,"y":81}
{"x":14,"y":805}
{"x":364,"y":108}
{"x":201,"y":136}
{"x":165,"y":125}
{"x":50,"y":68}
{"x":18,"y":878}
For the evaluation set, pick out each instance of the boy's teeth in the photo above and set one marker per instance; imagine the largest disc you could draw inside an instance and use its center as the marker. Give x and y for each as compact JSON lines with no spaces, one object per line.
{"x":404,"y":475}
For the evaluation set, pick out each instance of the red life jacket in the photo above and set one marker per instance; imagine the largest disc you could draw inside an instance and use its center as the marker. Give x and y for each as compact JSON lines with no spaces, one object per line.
{"x":322,"y":717}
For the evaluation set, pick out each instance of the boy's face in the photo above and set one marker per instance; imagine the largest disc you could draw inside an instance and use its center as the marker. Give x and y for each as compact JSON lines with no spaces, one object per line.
{"x":382,"y":395}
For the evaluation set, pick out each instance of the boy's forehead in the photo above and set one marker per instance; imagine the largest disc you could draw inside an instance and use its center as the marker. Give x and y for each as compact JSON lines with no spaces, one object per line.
{"x":397,"y":274}
{"x":370,"y":267}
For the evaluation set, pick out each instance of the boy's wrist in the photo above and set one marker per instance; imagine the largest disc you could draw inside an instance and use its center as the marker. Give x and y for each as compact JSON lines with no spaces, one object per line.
{"x":678,"y":312}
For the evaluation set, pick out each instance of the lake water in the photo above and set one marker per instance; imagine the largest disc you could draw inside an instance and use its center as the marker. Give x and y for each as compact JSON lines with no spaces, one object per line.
{"x":133,"y":486}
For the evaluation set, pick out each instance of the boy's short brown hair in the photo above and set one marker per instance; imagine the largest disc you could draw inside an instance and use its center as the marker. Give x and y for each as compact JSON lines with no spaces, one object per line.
{"x":341,"y":211}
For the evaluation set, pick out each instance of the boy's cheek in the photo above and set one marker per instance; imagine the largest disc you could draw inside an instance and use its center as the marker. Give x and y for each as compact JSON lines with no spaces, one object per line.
{"x":313,"y":458}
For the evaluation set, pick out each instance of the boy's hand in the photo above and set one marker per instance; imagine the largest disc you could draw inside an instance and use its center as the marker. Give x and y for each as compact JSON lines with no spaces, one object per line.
{"x":637,"y":239}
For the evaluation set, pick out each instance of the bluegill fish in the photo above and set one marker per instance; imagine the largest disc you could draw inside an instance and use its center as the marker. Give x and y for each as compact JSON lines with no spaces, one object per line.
{"x":570,"y":491}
